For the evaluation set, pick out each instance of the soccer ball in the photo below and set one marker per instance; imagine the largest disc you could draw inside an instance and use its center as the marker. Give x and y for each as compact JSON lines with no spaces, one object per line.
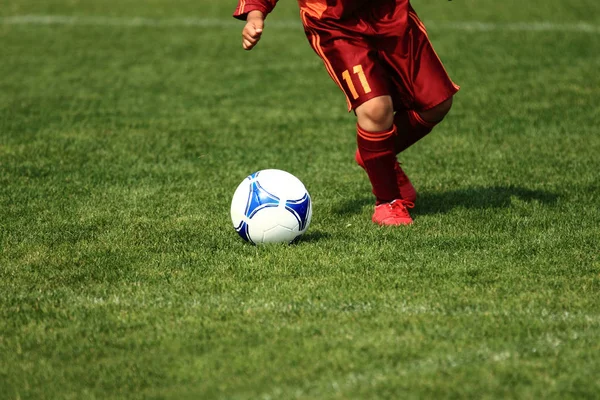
{"x":271,"y":206}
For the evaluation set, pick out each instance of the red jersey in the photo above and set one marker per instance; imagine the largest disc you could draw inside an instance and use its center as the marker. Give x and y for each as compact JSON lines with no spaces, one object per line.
{"x":319,"y":9}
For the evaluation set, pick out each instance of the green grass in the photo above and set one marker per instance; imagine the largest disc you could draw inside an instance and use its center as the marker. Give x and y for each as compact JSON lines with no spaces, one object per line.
{"x":120,"y":273}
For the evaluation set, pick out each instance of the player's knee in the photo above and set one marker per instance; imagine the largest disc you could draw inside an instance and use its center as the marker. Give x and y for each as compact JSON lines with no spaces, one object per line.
{"x":376,"y":114}
{"x":437,"y":113}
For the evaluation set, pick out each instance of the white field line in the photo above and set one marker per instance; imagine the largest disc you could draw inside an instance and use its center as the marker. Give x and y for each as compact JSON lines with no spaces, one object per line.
{"x":468,"y":26}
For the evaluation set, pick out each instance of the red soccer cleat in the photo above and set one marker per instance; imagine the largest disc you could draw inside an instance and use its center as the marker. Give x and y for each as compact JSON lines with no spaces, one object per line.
{"x":394,"y":213}
{"x":407,"y":190}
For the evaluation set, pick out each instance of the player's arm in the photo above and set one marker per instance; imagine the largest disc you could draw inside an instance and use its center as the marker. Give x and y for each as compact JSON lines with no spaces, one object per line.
{"x":254,"y":13}
{"x":253,"y":30}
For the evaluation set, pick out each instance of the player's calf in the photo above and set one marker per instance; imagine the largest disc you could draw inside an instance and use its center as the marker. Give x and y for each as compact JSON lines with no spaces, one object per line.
{"x":405,"y":186}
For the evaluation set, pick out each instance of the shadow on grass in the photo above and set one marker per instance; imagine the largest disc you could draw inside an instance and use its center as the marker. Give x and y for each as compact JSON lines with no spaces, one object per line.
{"x":441,"y":202}
{"x":311,"y":236}
{"x":482,"y":197}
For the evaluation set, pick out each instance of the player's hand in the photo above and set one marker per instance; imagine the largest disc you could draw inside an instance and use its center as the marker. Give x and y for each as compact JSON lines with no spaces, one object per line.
{"x":253,"y":30}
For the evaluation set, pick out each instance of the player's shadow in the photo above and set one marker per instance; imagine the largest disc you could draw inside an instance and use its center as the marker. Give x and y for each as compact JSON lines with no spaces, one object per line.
{"x":476,"y":197}
{"x":480,"y":197}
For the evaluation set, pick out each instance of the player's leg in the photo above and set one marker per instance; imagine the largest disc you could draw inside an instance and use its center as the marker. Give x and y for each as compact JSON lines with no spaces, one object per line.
{"x":377,"y":115}
{"x":354,"y":66}
{"x":423,"y":90}
{"x":436,"y":114}
{"x":414,"y":125}
{"x":420,"y":87}
{"x":376,"y":141}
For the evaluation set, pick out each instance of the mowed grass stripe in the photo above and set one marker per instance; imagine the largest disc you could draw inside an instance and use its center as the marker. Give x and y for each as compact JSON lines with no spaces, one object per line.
{"x":474,"y":26}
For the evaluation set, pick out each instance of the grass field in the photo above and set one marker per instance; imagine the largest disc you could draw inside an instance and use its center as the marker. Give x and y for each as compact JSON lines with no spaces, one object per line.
{"x":125,"y":127}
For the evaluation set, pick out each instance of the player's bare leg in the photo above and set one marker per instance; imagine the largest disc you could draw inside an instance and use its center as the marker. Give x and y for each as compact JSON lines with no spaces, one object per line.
{"x":378,"y":115}
{"x":436,"y":114}
{"x":376,"y":141}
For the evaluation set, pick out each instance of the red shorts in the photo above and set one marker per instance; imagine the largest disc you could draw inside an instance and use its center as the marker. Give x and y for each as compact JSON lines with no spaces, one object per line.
{"x":386,"y":51}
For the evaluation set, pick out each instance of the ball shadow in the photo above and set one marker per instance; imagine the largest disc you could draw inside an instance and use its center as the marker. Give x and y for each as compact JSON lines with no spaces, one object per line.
{"x":311,"y":237}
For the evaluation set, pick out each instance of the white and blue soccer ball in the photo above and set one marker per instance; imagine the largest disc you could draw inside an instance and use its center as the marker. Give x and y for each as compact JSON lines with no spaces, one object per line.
{"x":271,"y":206}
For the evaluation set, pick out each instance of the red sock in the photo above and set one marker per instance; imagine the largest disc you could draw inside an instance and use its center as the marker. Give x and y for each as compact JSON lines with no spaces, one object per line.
{"x":410,"y":129}
{"x":377,"y":152}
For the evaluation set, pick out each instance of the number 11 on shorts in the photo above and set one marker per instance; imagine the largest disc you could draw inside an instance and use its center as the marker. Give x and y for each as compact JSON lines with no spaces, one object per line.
{"x":358,"y":70}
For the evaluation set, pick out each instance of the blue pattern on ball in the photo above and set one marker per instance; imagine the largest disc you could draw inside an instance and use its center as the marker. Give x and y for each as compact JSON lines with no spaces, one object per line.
{"x":258,"y":199}
{"x":242,"y":230}
{"x":300,"y":209}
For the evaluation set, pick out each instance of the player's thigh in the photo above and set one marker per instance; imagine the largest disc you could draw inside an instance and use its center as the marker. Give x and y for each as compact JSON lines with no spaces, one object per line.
{"x":354,"y":66}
